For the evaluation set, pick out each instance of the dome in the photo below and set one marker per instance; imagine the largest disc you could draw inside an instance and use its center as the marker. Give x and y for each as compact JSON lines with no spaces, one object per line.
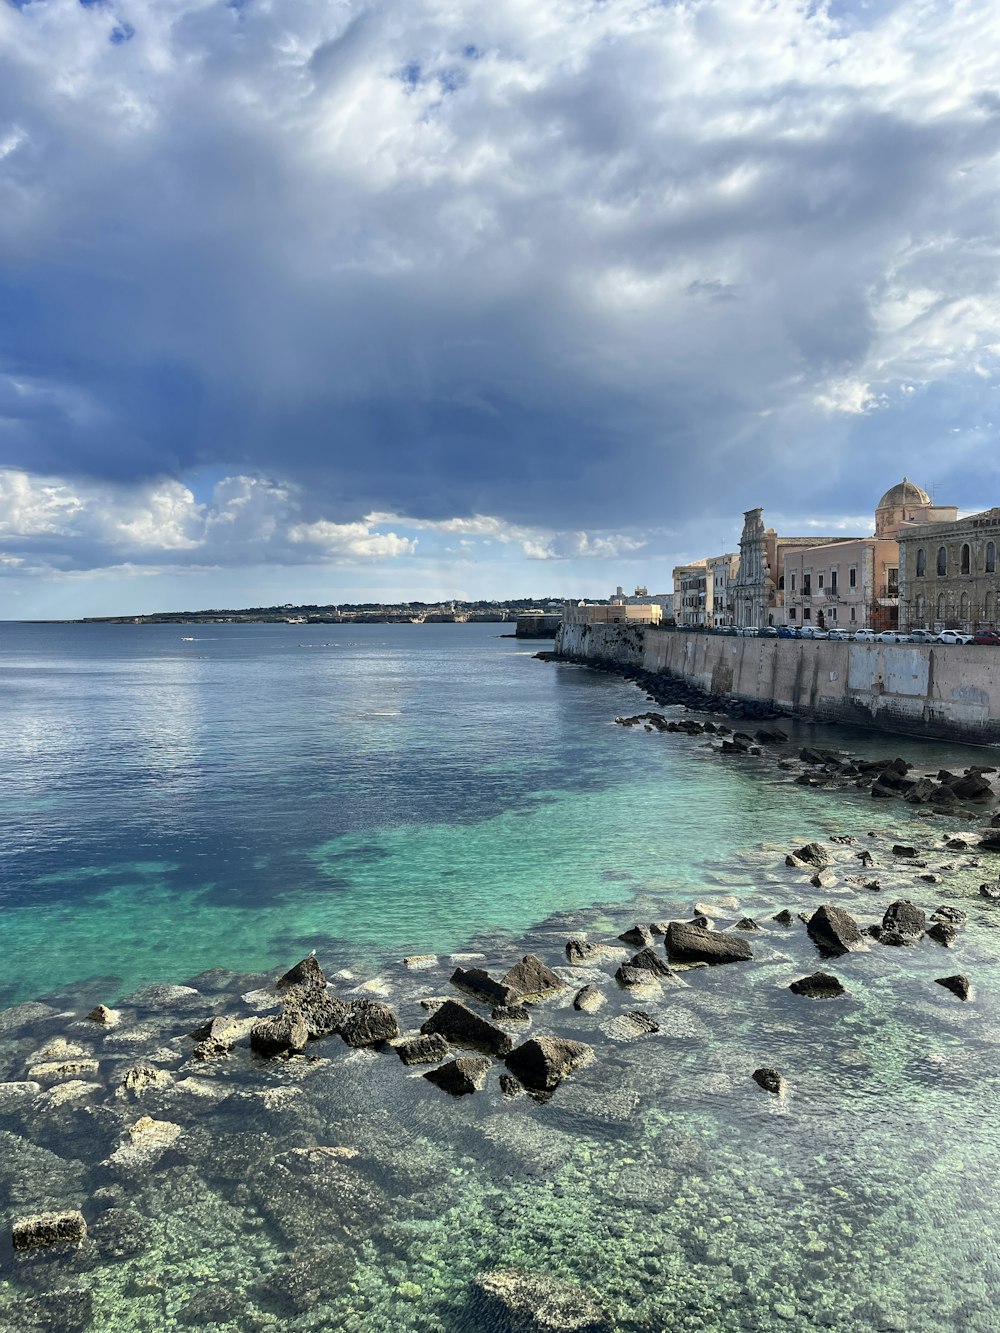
{"x":904,"y":494}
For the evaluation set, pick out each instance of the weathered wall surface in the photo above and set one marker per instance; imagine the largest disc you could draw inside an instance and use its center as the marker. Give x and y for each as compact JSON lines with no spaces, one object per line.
{"x":946,"y":691}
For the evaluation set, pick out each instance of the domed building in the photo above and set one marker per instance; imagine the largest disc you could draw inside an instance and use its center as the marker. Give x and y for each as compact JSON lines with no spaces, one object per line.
{"x":855,"y":584}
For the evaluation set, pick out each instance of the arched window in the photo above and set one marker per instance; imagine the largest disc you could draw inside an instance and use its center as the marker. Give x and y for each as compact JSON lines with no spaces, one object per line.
{"x":921,"y":563}
{"x":966,"y":557}
{"x":921,"y":612}
{"x":940,"y":607}
{"x":991,"y":557}
{"x":942,"y":560}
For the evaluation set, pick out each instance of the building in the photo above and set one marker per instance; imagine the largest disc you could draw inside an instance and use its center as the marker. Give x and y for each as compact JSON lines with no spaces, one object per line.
{"x":722,"y":572}
{"x":759,"y":586}
{"x":692,"y":595}
{"x":611,"y":613}
{"x":948,"y":574}
{"x":854,"y":583}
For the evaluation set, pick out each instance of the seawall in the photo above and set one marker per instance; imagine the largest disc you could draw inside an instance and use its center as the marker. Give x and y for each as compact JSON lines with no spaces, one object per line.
{"x":945,"y":691}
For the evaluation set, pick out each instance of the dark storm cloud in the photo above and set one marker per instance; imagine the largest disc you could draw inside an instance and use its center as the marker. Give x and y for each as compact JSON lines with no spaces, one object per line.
{"x":568,"y":264}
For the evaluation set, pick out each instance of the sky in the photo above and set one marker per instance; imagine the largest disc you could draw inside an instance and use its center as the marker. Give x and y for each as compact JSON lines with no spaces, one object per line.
{"x":328,"y":301}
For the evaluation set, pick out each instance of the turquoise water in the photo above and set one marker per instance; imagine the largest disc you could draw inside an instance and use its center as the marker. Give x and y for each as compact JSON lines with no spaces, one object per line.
{"x":170,"y":806}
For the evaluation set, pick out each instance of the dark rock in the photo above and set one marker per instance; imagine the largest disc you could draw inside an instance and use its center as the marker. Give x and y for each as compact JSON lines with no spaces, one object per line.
{"x":958,"y":985}
{"x":833,"y":930}
{"x":903,"y":917}
{"x":459,"y":1077}
{"x":479,"y":983}
{"x":278,"y":1036}
{"x":322,"y":1013}
{"x":637,"y":935}
{"x":650,"y":961}
{"x":423,"y":1050}
{"x":306,"y":973}
{"x":514,"y":1300}
{"x":990,"y":890}
{"x":954,"y":915}
{"x":511,"y":1013}
{"x":942,"y":933}
{"x":972,"y":787}
{"x":62,"y":1311}
{"x":784,"y":917}
{"x":901,"y":850}
{"x":588,"y":1000}
{"x":823,"y":879}
{"x":770,"y":1080}
{"x":990,"y":841}
{"x":812,"y":854}
{"x":509,"y":1085}
{"x":532,"y":977}
{"x":893,"y":938}
{"x":880,"y":792}
{"x":943,"y":796}
{"x":771,"y":736}
{"x":41,"y":1229}
{"x":457,"y":1023}
{"x":746,"y":923}
{"x":541,"y":1063}
{"x":820,"y":986}
{"x":369,"y":1023}
{"x":957,"y":845}
{"x":922,"y":791}
{"x":694,"y":944}
{"x":584,"y":951}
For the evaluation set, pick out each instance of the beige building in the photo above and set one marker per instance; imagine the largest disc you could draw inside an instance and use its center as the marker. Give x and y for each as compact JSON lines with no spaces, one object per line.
{"x":613,"y":613}
{"x":854,"y":583}
{"x":692,"y":595}
{"x":723,"y":571}
{"x":759,"y":586}
{"x":948,"y":574}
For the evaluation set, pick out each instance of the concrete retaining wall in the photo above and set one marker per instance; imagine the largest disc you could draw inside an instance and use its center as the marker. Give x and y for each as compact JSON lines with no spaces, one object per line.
{"x":948,"y":691}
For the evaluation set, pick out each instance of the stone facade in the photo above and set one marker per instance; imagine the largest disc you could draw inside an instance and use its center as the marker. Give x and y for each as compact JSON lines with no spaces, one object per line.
{"x":949,"y":577}
{"x":692,"y":595}
{"x":617,"y":613}
{"x":850,"y":585}
{"x":723,"y":571}
{"x":759,"y":588}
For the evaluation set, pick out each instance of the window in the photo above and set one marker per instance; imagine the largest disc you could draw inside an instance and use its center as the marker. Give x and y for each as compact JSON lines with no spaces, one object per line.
{"x":820,"y":578}
{"x":852,"y":578}
{"x":991,"y":557}
{"x":921,"y":611}
{"x":791,"y":613}
{"x":892,"y":577}
{"x":940,"y":606}
{"x":942,"y":560}
{"x":854,"y":613}
{"x":806,"y":613}
{"x":966,"y":558}
{"x":833,"y":580}
{"x":921,"y":563}
{"x":833,"y":614}
{"x":793,"y":583}
{"x":806,"y":585}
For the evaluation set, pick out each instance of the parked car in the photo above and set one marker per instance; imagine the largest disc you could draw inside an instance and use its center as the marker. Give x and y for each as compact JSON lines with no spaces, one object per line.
{"x":748,"y":632}
{"x":789,"y":632}
{"x":814,"y":632}
{"x":864,"y":636}
{"x":953,"y":636}
{"x":728,"y":629}
{"x":890,"y":636}
{"x":987,"y":636}
{"x":922,"y":636}
{"x":838,"y":634}
{"x":768,"y":632}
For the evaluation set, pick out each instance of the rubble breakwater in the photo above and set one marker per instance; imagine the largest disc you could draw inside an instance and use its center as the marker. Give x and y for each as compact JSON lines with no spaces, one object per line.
{"x":950,"y":692}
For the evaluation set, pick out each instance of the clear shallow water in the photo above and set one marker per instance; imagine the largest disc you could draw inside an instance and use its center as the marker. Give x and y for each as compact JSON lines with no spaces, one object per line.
{"x":169,"y":807}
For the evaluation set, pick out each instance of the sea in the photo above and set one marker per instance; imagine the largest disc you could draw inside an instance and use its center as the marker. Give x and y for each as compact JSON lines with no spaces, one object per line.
{"x":203,"y":806}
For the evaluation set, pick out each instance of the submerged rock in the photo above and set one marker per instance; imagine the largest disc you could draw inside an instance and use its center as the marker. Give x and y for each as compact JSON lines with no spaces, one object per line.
{"x":770,"y":1080}
{"x":958,"y":985}
{"x":369,"y":1023}
{"x":514,"y":1300}
{"x":107,"y":1018}
{"x":746,"y":923}
{"x":532,"y":977}
{"x":585,"y":951}
{"x":784,"y":917}
{"x":629,"y":1025}
{"x":511,"y":1013}
{"x":143,"y":1142}
{"x":138,"y":1078}
{"x":833,"y":930}
{"x":637,"y":935}
{"x":478,"y":982}
{"x":695,"y":944}
{"x":541,"y":1063}
{"x":423,"y":1050}
{"x":459,"y":1077}
{"x":953,"y":915}
{"x":458,"y":1024}
{"x":819,"y":986}
{"x":588,"y":1000}
{"x":30,"y":1233}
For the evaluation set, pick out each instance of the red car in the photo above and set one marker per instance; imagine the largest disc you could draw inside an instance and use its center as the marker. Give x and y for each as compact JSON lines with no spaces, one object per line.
{"x":989,"y":636}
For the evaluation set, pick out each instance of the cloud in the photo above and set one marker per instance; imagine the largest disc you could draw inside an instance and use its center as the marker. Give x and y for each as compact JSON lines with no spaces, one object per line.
{"x":584,"y":268}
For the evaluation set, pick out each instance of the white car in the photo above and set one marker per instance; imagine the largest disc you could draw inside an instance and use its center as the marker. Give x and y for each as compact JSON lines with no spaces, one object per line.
{"x":813,"y":632}
{"x":922,"y":636}
{"x":838,"y":634}
{"x":890,"y":636}
{"x":953,"y":636}
{"x":748,"y":632}
{"x":864,"y":636}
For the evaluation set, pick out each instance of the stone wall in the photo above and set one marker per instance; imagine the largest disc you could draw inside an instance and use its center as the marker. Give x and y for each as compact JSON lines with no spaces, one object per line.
{"x":949,"y":692}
